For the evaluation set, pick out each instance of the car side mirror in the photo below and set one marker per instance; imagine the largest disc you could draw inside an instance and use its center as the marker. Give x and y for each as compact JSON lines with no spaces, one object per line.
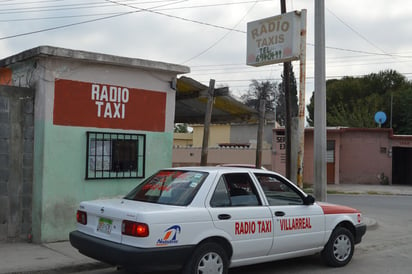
{"x":309,"y":200}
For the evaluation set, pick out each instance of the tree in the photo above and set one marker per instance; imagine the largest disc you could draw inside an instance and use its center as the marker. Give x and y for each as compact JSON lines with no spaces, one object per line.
{"x":402,"y":111}
{"x":275,"y":97}
{"x":181,"y":128}
{"x":281,"y":100}
{"x":353,"y":101}
{"x":261,"y":90}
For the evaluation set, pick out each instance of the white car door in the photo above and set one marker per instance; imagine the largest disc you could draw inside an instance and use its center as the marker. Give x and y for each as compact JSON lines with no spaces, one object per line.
{"x":297,"y":227}
{"x":237,"y":209}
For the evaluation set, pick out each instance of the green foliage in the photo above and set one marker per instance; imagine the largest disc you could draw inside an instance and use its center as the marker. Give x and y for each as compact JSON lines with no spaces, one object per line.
{"x":353,"y":102}
{"x":181,"y":128}
{"x":281,"y":99}
{"x":274,"y":94}
{"x":260,"y":90}
{"x":402,"y":111}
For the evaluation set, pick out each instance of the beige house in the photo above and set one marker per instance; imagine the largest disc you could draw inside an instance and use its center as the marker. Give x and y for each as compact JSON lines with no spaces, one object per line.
{"x":228,"y":144}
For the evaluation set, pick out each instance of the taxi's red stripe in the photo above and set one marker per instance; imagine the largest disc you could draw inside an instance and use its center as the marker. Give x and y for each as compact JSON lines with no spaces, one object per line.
{"x":336,"y":209}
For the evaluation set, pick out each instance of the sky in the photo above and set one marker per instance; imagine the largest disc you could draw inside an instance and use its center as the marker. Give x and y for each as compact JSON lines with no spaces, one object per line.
{"x":209,"y":36}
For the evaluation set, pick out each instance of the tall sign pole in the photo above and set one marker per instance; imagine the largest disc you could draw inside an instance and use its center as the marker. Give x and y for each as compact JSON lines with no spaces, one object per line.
{"x":320,"y":104}
{"x":274,"y":40}
{"x":302,"y":105}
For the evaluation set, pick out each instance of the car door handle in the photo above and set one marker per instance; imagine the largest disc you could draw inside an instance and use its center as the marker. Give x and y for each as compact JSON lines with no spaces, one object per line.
{"x":224,"y":216}
{"x":279,"y":213}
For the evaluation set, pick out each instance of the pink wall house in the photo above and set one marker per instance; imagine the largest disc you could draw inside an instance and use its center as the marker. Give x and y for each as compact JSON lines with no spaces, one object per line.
{"x":354,"y":155}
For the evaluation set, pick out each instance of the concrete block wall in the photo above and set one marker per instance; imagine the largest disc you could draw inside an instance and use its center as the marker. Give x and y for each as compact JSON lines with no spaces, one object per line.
{"x":16,"y":162}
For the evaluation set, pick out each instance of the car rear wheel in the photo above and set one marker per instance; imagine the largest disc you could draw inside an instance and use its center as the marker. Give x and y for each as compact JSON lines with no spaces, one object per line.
{"x":339,"y":249}
{"x":207,"y":258}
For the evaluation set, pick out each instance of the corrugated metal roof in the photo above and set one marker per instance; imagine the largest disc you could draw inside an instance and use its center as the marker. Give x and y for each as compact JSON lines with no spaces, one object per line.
{"x":191,"y":101}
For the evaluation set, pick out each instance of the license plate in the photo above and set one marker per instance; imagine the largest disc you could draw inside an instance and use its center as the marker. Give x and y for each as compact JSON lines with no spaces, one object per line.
{"x":105,"y":226}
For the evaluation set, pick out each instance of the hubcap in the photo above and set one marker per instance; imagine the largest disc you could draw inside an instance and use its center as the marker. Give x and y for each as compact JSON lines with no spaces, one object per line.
{"x":211,"y":263}
{"x":342,"y":248}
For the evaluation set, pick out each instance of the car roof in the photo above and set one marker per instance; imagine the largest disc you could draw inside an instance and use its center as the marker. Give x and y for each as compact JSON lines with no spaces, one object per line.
{"x":242,"y":165}
{"x":219,"y":169}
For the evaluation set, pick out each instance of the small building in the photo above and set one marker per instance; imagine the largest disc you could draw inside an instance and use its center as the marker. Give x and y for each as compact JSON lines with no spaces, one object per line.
{"x":354,"y":155}
{"x":229,"y":143}
{"x":97,"y":124}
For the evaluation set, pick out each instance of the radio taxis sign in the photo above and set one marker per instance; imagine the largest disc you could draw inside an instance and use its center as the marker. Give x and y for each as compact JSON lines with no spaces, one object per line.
{"x":274,"y":39}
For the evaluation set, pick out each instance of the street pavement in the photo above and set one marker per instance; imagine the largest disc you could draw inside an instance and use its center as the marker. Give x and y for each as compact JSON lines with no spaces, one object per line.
{"x":61,"y":257}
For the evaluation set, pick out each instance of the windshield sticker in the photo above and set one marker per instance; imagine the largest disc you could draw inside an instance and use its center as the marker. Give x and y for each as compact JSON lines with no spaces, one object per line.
{"x":170,"y":236}
{"x":156,"y":187}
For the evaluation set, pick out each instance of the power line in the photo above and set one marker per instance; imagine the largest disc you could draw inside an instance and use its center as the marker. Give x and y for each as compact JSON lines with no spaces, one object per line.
{"x":180,"y":18}
{"x":114,"y":13}
{"x":364,"y":52}
{"x":105,"y":3}
{"x":150,"y":10}
{"x":356,"y":32}
{"x":78,"y":6}
{"x":7,"y":2}
{"x":155,"y":11}
{"x":64,"y":26}
{"x":58,"y":17}
{"x":78,"y":23}
{"x":223,"y":37}
{"x":170,"y":2}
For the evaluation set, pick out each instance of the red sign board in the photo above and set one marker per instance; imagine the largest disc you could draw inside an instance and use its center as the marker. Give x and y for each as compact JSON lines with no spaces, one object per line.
{"x":107,"y":106}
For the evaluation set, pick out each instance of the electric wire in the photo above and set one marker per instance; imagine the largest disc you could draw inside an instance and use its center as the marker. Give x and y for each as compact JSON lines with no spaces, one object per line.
{"x":221,"y":38}
{"x":78,"y":23}
{"x":357,"y":32}
{"x":150,"y":10}
{"x":153,"y":10}
{"x":156,"y":10}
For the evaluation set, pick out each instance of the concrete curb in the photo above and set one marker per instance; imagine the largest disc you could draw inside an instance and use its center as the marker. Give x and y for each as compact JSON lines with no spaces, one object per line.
{"x":355,"y":189}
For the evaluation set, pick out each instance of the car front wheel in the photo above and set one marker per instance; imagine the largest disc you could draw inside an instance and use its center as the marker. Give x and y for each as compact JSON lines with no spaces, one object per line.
{"x":207,"y":258}
{"x":339,"y":249}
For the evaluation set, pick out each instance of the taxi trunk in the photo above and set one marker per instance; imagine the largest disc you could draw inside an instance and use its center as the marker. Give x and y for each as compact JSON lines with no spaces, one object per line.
{"x":112,"y":220}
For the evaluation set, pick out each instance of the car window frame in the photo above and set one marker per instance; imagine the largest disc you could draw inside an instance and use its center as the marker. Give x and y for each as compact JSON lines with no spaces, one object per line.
{"x":228,"y":185}
{"x":284,"y":181}
{"x":134,"y":194}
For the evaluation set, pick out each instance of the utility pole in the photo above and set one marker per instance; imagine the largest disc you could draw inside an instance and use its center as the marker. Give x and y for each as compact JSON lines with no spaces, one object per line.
{"x":288,"y":118}
{"x":262,"y":107}
{"x":320,"y":104}
{"x":208,"y":118}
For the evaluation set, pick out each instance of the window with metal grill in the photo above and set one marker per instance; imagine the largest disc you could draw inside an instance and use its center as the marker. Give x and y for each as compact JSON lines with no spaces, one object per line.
{"x":115,"y":155}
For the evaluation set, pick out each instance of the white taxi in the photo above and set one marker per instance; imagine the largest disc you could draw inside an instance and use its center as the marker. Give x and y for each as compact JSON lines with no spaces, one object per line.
{"x":207,"y":219}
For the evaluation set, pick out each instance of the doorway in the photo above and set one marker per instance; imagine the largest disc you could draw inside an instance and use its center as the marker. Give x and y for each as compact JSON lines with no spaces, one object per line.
{"x":402,"y":165}
{"x":330,"y":161}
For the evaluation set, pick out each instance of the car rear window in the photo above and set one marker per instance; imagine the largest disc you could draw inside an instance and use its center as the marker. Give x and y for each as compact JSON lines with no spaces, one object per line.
{"x":171,"y":187}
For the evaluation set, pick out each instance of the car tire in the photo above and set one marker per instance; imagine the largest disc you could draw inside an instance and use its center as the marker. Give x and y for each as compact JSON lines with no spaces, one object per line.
{"x":339,"y":249}
{"x":209,"y":257}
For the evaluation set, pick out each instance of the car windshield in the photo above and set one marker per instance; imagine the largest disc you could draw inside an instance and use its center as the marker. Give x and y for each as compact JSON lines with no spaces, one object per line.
{"x":171,"y":187}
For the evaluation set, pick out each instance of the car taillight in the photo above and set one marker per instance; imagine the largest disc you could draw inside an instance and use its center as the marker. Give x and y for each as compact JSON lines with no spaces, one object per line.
{"x":135,"y":229}
{"x":81,"y":217}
